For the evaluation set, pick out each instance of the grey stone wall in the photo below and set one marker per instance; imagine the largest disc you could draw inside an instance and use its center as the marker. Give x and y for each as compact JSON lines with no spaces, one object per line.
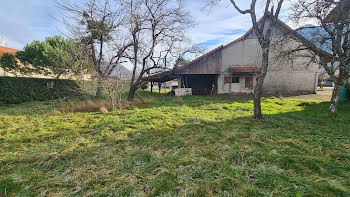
{"x":284,"y":76}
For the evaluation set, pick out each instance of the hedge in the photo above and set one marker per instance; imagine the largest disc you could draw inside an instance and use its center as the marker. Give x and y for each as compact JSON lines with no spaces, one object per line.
{"x":15,"y":90}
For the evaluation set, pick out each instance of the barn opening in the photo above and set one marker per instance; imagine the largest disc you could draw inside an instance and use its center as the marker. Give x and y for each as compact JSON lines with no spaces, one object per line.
{"x":201,"y":84}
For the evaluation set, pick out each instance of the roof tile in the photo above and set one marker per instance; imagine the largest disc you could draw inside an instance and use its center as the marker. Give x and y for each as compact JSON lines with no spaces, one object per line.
{"x":4,"y":50}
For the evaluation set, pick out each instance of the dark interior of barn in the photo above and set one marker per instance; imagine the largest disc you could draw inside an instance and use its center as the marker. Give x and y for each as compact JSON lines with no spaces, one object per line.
{"x":200,"y":84}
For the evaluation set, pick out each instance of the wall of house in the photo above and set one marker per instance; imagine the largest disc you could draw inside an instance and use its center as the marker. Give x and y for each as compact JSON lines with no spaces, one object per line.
{"x":209,"y":64}
{"x":225,"y":88}
{"x":283,"y":77}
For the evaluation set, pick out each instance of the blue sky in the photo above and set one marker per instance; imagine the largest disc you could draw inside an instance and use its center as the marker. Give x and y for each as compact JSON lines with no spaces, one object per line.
{"x":22,"y":21}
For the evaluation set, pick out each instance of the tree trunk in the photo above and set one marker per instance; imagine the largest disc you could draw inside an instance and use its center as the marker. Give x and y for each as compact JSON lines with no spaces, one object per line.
{"x":151,"y":86}
{"x":333,"y":108}
{"x":258,"y":90}
{"x":159,"y":87}
{"x":132,"y":92}
{"x":99,"y":87}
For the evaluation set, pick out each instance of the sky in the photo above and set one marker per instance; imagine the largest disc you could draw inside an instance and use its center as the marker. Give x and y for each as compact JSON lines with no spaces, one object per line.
{"x":22,"y":21}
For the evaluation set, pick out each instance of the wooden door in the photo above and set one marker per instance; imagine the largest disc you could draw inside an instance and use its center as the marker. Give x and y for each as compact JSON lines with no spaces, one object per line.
{"x":249,"y":82}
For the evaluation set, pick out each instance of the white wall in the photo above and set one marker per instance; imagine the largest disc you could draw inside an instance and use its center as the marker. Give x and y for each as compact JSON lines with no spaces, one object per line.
{"x":2,"y":72}
{"x":283,"y":77}
{"x":224,"y":88}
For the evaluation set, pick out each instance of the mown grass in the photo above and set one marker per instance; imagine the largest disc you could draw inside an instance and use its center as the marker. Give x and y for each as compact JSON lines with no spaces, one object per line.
{"x":191,"y":146}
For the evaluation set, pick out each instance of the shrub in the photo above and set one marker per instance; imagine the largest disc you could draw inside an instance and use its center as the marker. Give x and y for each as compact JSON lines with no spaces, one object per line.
{"x":93,"y":106}
{"x":104,"y":106}
{"x":15,"y":90}
{"x":144,"y":86}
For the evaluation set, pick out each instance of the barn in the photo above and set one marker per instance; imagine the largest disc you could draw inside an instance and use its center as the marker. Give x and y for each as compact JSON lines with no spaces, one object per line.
{"x":233,"y":68}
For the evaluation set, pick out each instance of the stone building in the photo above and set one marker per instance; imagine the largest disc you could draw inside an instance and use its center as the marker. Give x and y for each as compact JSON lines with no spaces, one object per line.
{"x":233,"y":68}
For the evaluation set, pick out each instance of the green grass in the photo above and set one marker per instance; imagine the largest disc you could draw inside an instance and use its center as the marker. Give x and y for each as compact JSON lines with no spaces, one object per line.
{"x":191,"y":146}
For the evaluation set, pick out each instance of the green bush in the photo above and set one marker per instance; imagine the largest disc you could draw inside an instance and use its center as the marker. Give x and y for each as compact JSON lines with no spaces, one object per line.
{"x":15,"y":90}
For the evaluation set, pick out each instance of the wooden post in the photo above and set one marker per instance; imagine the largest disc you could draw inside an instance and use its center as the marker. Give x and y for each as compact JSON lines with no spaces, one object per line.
{"x":159,"y":87}
{"x":151,"y":86}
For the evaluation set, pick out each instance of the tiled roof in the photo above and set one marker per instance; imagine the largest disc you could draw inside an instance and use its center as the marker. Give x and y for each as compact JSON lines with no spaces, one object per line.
{"x":7,"y":50}
{"x":244,"y":69}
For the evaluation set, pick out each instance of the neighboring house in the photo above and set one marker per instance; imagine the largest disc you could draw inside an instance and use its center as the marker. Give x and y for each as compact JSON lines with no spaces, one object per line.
{"x":233,"y":68}
{"x":4,"y":50}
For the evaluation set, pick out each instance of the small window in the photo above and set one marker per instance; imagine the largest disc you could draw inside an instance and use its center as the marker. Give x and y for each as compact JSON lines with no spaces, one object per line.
{"x":249,"y":82}
{"x":231,"y":79}
{"x":227,"y":79}
{"x":235,"y":79}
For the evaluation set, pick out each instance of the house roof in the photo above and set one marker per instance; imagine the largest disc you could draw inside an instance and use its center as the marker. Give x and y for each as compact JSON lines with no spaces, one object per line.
{"x":4,"y":50}
{"x":201,"y":57}
{"x":162,"y":77}
{"x":244,"y":69}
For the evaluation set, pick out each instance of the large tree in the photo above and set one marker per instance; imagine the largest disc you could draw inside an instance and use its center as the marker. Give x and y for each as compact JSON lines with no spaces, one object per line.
{"x":96,"y":24}
{"x":54,"y":57}
{"x":9,"y":63}
{"x":263,"y":31}
{"x":154,"y":28}
{"x":330,"y":33}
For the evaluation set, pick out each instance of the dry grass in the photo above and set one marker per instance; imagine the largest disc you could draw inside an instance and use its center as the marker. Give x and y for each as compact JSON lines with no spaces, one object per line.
{"x":67,"y":107}
{"x":103,"y":110}
{"x":93,"y":106}
{"x":104,"y":105}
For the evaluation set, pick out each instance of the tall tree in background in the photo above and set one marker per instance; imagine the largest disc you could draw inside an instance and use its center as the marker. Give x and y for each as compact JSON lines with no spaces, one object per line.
{"x":155,"y":28}
{"x":95,"y":23}
{"x":55,"y":57}
{"x":9,"y":64}
{"x":331,"y":34}
{"x":263,"y":31}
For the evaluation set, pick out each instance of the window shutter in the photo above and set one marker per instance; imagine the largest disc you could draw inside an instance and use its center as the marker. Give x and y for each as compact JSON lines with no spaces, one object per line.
{"x":227,"y":79}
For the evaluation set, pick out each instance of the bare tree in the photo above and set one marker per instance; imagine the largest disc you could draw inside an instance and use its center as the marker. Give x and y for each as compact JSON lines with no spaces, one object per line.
{"x":154,"y":28}
{"x":263,"y":31}
{"x":331,"y":33}
{"x":96,"y":23}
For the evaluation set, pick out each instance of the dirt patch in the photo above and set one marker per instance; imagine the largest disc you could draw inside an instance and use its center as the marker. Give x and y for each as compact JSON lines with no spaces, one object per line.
{"x":324,"y":95}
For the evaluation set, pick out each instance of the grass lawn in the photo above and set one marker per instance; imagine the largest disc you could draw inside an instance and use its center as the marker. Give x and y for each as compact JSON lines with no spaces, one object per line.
{"x":192,"y":146}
